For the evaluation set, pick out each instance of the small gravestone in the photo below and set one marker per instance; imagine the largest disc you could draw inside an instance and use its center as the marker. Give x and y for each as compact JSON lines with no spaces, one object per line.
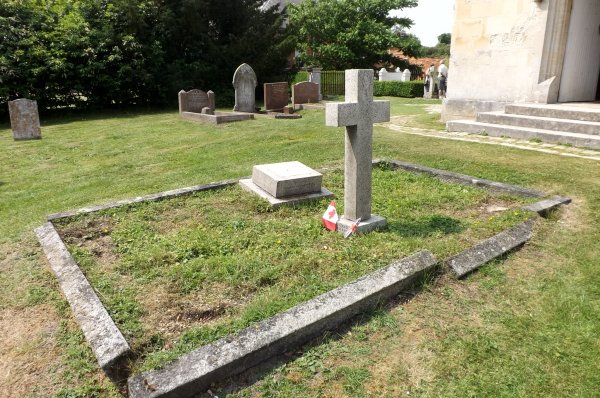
{"x":305,"y":93}
{"x":358,"y":115}
{"x":196,"y":100}
{"x":244,"y":82}
{"x":24,"y":119}
{"x":276,"y":96}
{"x":285,"y":183}
{"x":315,"y":77}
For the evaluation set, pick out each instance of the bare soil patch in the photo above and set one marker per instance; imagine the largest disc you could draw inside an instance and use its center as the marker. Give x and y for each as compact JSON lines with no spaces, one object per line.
{"x":29,"y":355}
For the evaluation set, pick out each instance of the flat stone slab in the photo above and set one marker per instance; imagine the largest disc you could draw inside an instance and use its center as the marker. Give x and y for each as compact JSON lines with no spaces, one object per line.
{"x":287,"y":179}
{"x":371,"y":224}
{"x":146,"y":198}
{"x":544,"y":207}
{"x":487,"y":250}
{"x":217,"y":118}
{"x":194,"y":372}
{"x":249,"y":186}
{"x":107,"y":342}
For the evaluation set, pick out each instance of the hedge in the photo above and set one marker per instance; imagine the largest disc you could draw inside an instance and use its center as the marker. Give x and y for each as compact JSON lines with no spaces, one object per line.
{"x":410,"y":89}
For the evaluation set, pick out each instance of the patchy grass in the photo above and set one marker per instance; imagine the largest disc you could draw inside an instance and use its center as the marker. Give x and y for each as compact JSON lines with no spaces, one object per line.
{"x":541,"y":312}
{"x":183,"y":272}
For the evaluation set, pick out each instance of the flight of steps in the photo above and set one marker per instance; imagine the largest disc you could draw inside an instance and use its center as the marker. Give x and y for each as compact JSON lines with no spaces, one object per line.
{"x":560,"y":124}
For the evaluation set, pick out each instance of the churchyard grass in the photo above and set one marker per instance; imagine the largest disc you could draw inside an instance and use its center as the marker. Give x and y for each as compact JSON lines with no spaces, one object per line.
{"x":524,"y":326}
{"x":184,"y":272}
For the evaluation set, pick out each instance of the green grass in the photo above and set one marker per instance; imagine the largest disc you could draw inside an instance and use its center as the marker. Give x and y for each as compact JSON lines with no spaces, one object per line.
{"x":527,"y":326}
{"x":226,"y":246}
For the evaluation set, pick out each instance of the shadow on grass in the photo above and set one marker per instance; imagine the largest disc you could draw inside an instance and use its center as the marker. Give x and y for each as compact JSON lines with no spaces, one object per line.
{"x":259,"y":372}
{"x":56,"y":117}
{"x":427,"y":226}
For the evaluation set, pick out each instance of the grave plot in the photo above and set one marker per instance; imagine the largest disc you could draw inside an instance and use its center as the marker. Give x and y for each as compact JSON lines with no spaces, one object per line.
{"x":181,"y":273}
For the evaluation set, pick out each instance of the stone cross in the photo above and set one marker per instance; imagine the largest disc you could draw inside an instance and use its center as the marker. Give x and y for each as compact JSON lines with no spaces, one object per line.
{"x":358,"y":115}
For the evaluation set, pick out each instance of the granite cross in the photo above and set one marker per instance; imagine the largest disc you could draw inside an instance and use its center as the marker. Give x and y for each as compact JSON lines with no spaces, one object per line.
{"x":358,"y":115}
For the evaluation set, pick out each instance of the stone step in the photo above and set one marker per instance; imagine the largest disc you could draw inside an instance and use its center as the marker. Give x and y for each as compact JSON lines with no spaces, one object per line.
{"x":538,"y":122}
{"x":496,"y":130}
{"x":562,"y":111}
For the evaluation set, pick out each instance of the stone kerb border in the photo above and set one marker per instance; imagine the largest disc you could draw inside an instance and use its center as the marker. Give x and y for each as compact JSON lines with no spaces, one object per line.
{"x":255,"y":344}
{"x":194,"y":372}
{"x":108,"y":344}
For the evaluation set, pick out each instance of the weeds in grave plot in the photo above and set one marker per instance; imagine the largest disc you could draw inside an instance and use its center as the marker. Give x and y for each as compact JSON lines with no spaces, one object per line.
{"x":177,"y":274}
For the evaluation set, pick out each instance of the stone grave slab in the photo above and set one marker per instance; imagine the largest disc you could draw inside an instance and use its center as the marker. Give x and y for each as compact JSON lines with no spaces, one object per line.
{"x":24,"y":119}
{"x":276,"y":96}
{"x":305,"y":93}
{"x":286,"y":183}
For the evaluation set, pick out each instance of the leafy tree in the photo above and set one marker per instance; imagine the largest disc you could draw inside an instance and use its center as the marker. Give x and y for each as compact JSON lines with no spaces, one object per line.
{"x":81,"y":53}
{"x":444,"y":38}
{"x":441,"y":49}
{"x":340,"y":34}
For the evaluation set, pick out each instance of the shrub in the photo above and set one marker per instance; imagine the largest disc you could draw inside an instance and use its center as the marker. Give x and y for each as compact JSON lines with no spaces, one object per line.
{"x":301,"y":76}
{"x":410,"y":89}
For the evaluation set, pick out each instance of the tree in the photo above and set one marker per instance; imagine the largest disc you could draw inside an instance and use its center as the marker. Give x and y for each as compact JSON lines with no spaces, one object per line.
{"x":340,"y":34}
{"x":445,"y":38}
{"x":82,"y":53}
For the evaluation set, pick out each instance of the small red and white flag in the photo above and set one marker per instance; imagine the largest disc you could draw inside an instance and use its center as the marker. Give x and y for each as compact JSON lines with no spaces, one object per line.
{"x":330,"y":218}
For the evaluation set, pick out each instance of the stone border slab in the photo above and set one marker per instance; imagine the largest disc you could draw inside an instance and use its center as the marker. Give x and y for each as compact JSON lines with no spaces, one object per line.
{"x":195,"y":371}
{"x":544,"y":207}
{"x":465,"y":179}
{"x":146,"y":198}
{"x":217,"y":118}
{"x":107,"y":342}
{"x":249,"y":186}
{"x":488,"y":249}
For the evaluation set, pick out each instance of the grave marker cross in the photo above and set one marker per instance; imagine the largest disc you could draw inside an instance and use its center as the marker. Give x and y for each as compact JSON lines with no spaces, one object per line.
{"x":358,"y":115}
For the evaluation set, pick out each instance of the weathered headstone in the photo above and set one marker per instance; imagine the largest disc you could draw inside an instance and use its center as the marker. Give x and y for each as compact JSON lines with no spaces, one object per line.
{"x":358,"y":115}
{"x":24,"y":119}
{"x":196,"y":100}
{"x":305,"y":93}
{"x":244,"y":82}
{"x":276,"y":96}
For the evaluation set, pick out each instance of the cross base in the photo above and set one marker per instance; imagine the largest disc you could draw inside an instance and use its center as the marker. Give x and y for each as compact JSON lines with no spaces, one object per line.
{"x":368,"y":225}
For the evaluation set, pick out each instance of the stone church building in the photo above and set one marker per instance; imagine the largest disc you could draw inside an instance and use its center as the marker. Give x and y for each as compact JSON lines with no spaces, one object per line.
{"x":522,"y":51}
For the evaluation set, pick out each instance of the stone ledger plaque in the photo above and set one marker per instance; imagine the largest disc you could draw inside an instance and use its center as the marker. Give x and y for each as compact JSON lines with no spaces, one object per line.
{"x":276,"y":96}
{"x":24,"y":119}
{"x":286,"y":179}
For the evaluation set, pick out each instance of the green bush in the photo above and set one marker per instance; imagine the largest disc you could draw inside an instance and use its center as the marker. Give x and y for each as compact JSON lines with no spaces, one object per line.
{"x":410,"y":89}
{"x":301,"y":76}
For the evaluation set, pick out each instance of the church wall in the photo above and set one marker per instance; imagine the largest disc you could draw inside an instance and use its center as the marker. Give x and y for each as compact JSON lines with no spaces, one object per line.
{"x":496,"y":54}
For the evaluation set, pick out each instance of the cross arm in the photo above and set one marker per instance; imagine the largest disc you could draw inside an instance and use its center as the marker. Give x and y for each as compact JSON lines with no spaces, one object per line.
{"x":341,"y":114}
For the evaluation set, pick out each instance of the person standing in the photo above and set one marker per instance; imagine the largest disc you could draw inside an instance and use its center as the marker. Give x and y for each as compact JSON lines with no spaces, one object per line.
{"x":443,"y":76}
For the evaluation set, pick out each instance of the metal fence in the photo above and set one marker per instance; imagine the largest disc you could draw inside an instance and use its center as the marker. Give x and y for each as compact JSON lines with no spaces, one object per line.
{"x":333,"y":82}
